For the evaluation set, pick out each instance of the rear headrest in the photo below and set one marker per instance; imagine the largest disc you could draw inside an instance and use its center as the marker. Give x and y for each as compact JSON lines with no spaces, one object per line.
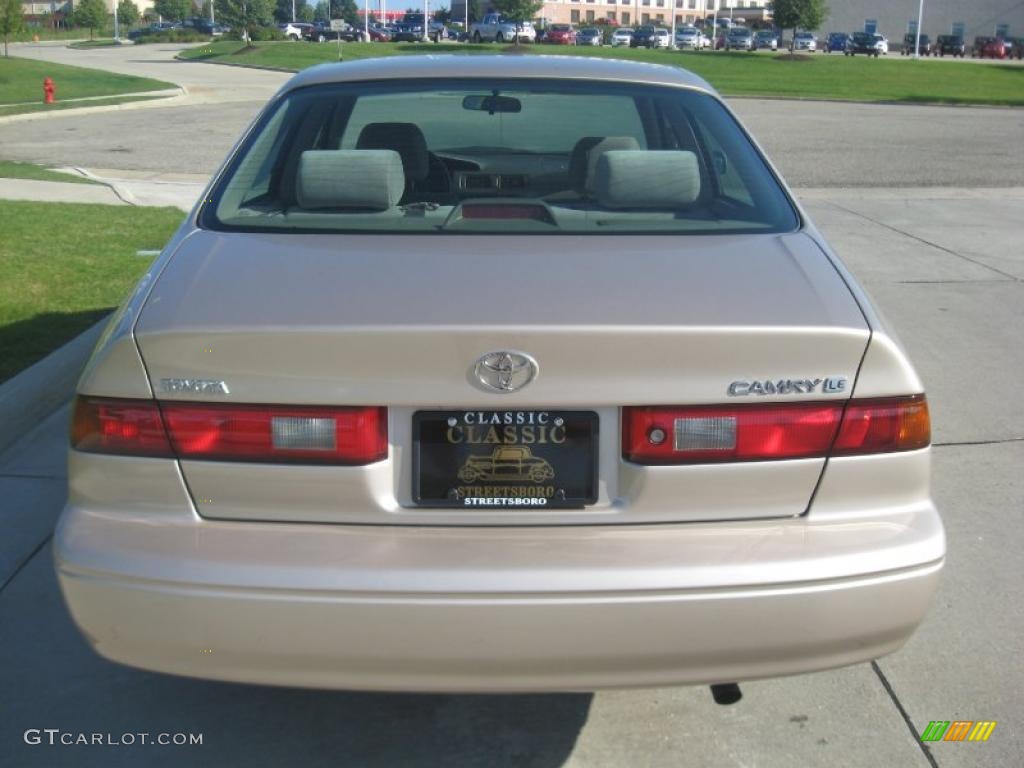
{"x":609,"y":144}
{"x":647,"y":179}
{"x":350,"y":178}
{"x":404,"y":138}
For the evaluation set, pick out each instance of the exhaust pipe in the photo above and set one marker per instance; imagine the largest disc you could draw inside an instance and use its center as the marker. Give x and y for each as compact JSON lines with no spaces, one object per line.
{"x":726,"y":693}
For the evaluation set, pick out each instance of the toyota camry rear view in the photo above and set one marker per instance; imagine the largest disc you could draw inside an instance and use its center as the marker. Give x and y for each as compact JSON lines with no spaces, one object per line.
{"x":524,"y":376}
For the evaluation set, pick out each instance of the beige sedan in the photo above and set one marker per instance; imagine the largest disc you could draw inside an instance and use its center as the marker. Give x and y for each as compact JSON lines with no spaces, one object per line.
{"x":409,"y":266}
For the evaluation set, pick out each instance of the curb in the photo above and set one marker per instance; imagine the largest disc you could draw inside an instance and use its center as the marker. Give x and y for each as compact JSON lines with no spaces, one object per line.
{"x":159,"y":98}
{"x":43,"y":387}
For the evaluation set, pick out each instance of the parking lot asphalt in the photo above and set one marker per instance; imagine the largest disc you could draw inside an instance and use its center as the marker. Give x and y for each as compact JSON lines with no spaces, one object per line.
{"x":945,"y":266}
{"x":905,"y":196}
{"x":814,"y":144}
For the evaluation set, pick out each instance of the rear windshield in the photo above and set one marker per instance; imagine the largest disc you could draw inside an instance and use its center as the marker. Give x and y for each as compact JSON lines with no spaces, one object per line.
{"x":506,"y":156}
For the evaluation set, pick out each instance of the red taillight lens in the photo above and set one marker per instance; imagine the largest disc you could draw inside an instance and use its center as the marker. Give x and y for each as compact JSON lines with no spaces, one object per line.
{"x":697,"y":435}
{"x":127,"y":427}
{"x":707,"y":434}
{"x":282,"y":434}
{"x":306,"y":435}
{"x":882,"y":426}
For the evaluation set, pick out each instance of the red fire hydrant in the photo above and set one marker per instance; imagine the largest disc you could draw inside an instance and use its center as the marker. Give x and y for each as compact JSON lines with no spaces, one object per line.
{"x":48,"y":90}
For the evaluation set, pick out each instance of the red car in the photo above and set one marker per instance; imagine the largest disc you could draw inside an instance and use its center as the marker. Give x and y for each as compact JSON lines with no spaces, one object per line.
{"x":561,"y":34}
{"x":988,"y":48}
{"x":994,"y":49}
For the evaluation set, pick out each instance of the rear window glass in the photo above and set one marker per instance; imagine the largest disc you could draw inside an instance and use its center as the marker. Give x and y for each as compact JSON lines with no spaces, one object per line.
{"x":506,"y":156}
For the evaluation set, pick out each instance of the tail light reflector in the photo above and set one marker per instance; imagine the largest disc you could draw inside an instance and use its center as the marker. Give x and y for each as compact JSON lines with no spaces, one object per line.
{"x":128,"y":427}
{"x":306,"y":435}
{"x":708,"y":434}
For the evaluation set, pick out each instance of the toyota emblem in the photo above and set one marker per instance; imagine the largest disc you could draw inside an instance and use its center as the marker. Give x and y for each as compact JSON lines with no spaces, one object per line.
{"x":505,"y":371}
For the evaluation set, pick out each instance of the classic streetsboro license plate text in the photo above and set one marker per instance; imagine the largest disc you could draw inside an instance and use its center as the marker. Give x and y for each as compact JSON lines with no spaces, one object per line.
{"x":506,"y":458}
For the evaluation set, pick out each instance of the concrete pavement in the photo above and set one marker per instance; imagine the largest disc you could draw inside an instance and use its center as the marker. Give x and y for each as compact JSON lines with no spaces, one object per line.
{"x":944,"y":265}
{"x":814,"y":143}
{"x":113,"y":188}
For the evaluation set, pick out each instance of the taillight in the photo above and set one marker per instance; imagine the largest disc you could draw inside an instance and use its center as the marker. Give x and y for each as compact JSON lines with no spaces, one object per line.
{"x":306,"y":435}
{"x":278,"y":433}
{"x":696,"y":435}
{"x":708,"y":434}
{"x":882,"y":426}
{"x":126,"y":427}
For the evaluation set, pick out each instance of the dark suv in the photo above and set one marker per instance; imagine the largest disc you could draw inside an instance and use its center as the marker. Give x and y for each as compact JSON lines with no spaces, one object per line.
{"x":951,"y":44}
{"x":861,"y":42}
{"x":924,"y":46}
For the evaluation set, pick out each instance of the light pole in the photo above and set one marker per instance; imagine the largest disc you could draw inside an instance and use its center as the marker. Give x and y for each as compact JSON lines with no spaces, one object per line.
{"x":672,"y":42}
{"x":293,"y":11}
{"x":366,"y":21}
{"x":117,"y":28}
{"x":426,"y":21}
{"x":917,"y":36}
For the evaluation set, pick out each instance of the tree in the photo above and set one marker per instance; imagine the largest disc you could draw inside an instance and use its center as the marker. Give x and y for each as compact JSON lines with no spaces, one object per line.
{"x":127,"y":12}
{"x":305,"y":12}
{"x":347,"y":10}
{"x":11,"y":20}
{"x":518,"y":11}
{"x":245,"y":15}
{"x":322,"y":12}
{"x":176,"y":10}
{"x":91,"y":14}
{"x":794,"y":14}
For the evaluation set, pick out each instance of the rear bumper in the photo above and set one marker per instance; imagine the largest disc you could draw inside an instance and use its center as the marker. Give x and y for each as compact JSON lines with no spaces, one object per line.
{"x":495,"y":609}
{"x":496,"y":643}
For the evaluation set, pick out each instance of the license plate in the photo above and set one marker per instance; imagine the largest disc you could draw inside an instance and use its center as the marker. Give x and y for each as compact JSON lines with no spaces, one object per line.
{"x":517,"y":460}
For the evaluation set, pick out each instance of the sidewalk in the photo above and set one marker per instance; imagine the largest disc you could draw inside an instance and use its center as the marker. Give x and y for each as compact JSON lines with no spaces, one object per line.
{"x":113,"y":188}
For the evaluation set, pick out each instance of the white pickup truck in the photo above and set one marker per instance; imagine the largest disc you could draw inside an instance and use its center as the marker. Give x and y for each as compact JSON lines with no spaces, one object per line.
{"x":494,"y":28}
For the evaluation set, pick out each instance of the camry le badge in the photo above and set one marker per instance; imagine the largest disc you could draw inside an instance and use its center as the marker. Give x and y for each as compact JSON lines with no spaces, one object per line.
{"x":830,"y":385}
{"x":505,"y":371}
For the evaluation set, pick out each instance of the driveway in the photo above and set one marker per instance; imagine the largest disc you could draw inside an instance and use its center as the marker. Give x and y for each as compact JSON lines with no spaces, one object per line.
{"x":944,"y":263}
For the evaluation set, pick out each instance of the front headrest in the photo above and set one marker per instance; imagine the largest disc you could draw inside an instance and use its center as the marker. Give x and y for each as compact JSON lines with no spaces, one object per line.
{"x":350,"y":178}
{"x":647,"y":179}
{"x":404,"y":138}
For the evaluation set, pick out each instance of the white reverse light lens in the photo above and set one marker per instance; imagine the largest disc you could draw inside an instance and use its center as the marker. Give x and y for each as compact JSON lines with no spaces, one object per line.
{"x":303,"y":433}
{"x":716,"y":433}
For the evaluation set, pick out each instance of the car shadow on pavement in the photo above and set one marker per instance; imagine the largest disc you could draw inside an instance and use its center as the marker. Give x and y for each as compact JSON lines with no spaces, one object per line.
{"x":61,"y":684}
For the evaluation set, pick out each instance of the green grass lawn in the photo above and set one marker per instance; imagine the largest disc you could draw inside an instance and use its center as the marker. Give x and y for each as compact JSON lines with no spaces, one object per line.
{"x":21,"y":80}
{"x":734,"y":74}
{"x":64,"y":266}
{"x":11,"y":170}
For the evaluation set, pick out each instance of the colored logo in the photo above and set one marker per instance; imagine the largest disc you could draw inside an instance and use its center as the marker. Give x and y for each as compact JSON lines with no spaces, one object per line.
{"x":958,"y":730}
{"x":511,"y":462}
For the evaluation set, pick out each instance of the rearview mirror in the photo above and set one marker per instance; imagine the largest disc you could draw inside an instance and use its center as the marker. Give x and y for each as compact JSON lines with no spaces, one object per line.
{"x":492,"y":104}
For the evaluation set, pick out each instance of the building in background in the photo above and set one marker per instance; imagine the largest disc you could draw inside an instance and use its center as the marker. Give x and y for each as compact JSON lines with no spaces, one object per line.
{"x":892,"y":18}
{"x":633,"y":12}
{"x":895,"y":18}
